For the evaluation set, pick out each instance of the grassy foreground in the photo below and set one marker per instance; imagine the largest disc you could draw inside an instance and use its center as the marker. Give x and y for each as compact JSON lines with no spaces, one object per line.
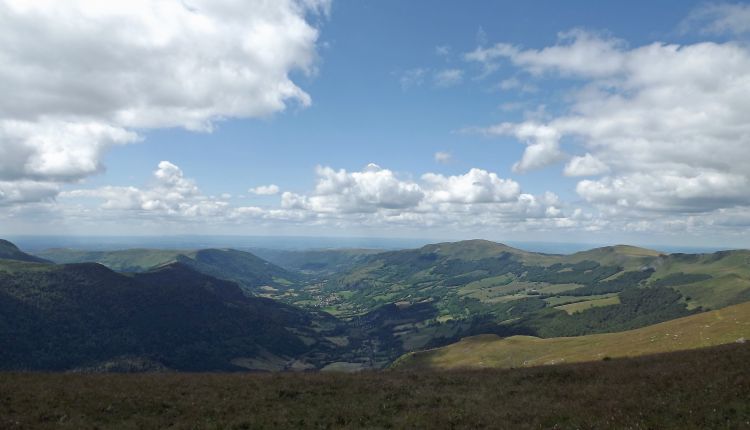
{"x":706,"y":388}
{"x":696,"y":331}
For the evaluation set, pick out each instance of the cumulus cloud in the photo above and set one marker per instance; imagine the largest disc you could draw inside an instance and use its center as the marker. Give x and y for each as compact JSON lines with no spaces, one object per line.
{"x":55,"y":150}
{"x":543,"y":143}
{"x":170,"y":193}
{"x":667,"y":123}
{"x":364,"y":191}
{"x":94,"y":72}
{"x":373,"y":197}
{"x":586,"y":165}
{"x":265,"y":190}
{"x":476,"y":186}
{"x":377,"y":196}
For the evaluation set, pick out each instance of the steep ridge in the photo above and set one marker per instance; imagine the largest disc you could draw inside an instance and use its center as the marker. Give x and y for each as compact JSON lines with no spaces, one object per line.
{"x":10,"y":251}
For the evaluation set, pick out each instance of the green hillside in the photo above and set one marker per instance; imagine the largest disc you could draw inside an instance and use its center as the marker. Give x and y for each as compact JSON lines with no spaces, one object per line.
{"x":242,"y":267}
{"x":731,"y":324}
{"x":474,"y":287}
{"x":61,"y":317}
{"x":707,"y":280}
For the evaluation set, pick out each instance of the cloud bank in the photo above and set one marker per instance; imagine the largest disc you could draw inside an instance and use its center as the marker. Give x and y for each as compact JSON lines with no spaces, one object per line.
{"x":94,"y":74}
{"x":661,"y":127}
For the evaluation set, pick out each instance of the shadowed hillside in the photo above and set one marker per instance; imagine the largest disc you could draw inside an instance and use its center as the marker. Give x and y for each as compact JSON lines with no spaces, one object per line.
{"x":61,"y":317}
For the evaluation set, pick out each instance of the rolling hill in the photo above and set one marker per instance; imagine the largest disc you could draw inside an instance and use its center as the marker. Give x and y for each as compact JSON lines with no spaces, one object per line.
{"x":731,"y":324}
{"x":244,"y":268}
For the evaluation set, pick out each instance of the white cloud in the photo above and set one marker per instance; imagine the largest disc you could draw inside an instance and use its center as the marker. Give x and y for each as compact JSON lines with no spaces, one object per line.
{"x":442,"y":50}
{"x":26,"y":191}
{"x":579,"y":52}
{"x":476,"y":186}
{"x":669,"y":122}
{"x":587,"y":165}
{"x":668,"y":191}
{"x":55,"y":150}
{"x":720,"y":18}
{"x":443,"y":157}
{"x":94,"y":72}
{"x":365,"y":191}
{"x":372,"y":198}
{"x":265,"y":190}
{"x":448,"y":77}
{"x":543,"y":143}
{"x":170,"y":193}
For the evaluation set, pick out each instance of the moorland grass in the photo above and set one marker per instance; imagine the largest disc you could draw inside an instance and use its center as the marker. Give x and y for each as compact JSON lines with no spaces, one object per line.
{"x":706,"y":388}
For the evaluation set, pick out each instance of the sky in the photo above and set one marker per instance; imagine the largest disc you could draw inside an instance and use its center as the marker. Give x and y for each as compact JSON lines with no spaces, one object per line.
{"x":576,"y":121}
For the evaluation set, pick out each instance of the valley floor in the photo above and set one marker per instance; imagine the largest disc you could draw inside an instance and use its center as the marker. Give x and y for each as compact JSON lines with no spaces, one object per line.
{"x":705,"y":388}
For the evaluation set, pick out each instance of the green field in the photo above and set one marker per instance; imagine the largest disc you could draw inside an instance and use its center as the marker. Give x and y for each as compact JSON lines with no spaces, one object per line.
{"x":719,"y":327}
{"x":572,"y":308}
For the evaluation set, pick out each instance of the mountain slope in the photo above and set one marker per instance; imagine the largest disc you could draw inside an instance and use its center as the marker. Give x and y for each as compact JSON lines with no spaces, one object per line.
{"x":9,"y":251}
{"x":707,"y":329}
{"x":238,"y":266}
{"x":59,"y":317}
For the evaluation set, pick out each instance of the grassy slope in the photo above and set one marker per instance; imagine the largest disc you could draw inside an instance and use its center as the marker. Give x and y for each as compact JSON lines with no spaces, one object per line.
{"x":730,"y":271}
{"x":688,"y":390}
{"x":706,"y":329}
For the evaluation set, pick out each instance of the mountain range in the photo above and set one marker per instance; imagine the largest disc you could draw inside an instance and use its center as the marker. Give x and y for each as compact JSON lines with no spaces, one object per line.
{"x":226,"y":309}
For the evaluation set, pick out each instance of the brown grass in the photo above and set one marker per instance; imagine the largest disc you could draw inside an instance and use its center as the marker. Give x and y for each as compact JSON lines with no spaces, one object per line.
{"x":708,"y":388}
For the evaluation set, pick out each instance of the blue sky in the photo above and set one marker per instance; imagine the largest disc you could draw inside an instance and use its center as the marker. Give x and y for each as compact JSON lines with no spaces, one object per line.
{"x":555,"y":121}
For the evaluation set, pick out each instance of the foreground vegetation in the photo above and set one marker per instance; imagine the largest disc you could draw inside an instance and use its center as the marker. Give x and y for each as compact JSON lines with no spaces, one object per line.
{"x":707,"y":388}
